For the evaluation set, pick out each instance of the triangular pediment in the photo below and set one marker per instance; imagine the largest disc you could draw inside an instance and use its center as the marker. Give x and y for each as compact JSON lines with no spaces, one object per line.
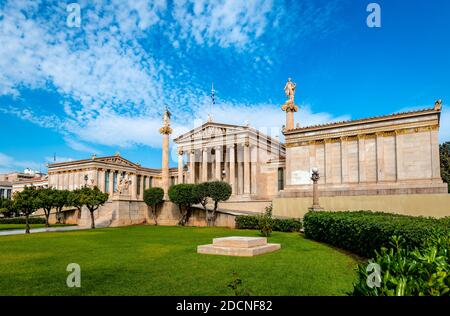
{"x":118,"y":161}
{"x":209,"y":130}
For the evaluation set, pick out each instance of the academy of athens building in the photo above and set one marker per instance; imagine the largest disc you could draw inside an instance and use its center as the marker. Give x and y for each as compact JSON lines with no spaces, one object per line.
{"x":385,"y":163}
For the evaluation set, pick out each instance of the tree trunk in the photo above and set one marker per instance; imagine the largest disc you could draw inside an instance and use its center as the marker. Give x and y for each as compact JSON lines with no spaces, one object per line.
{"x":153,"y":210}
{"x":47,"y":215}
{"x":92,"y":219}
{"x":27,"y":225}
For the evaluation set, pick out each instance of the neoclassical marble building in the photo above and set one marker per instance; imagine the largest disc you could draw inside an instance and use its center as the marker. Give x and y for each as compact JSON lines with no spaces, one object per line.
{"x":393,"y":158}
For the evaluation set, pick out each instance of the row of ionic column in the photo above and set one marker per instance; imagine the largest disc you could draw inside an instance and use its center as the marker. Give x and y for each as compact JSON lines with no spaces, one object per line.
{"x":233,"y":164}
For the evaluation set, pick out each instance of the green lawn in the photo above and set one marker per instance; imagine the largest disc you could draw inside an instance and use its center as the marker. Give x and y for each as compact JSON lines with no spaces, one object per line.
{"x":22,"y":226}
{"x":149,"y":260}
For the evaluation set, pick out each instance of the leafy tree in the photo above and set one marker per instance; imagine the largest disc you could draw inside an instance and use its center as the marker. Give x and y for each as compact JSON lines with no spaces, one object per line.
{"x":74,"y":198}
{"x":46,"y":200}
{"x":60,"y":199}
{"x":184,"y":196}
{"x":201,"y":192}
{"x":93,"y":198}
{"x":219,"y":191}
{"x":444,"y":154}
{"x":27,"y":202}
{"x":7,"y":207}
{"x":153,"y":197}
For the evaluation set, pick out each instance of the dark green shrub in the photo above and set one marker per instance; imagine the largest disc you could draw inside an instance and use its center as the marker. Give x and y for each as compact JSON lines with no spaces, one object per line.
{"x":279,"y":224}
{"x":287,"y":225}
{"x":22,"y":220}
{"x":406,"y":272}
{"x":247,"y":222}
{"x":363,"y":232}
{"x":153,"y":197}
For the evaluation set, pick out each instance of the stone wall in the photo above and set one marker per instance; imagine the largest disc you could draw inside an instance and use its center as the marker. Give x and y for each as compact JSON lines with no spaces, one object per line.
{"x":435,"y":205}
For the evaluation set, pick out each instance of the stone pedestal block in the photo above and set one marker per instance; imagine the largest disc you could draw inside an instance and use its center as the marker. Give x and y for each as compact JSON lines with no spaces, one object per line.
{"x":238,"y":246}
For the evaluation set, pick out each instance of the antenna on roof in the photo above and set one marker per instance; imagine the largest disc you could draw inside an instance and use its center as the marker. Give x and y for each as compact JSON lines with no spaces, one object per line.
{"x":54,"y":157}
{"x":213,"y":101}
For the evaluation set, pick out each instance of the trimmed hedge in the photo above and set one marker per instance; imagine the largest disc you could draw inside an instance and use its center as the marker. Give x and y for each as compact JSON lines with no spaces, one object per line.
{"x":281,"y":225}
{"x":363,"y":232}
{"x":21,"y":220}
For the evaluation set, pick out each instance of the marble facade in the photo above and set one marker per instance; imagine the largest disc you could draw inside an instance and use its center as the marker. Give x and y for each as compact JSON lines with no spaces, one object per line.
{"x":105,"y":173}
{"x":393,"y":154}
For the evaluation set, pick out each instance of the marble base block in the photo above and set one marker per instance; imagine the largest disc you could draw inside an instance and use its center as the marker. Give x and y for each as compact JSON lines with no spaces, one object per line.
{"x":238,"y":246}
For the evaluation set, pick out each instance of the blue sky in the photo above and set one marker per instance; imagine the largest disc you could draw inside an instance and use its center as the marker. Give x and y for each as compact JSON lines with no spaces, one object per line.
{"x":101,"y":88}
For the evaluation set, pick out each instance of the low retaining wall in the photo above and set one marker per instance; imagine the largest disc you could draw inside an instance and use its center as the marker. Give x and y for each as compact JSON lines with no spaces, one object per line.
{"x":124,"y":213}
{"x":435,"y":205}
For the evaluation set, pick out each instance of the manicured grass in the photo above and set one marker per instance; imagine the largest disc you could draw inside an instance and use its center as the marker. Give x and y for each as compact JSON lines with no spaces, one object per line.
{"x":22,"y":226}
{"x":149,"y":260}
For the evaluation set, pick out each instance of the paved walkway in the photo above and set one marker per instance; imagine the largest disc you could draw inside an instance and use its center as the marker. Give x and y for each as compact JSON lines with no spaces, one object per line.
{"x":40,"y":230}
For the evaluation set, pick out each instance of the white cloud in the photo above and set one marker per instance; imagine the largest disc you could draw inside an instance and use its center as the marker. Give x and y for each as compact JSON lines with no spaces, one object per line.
{"x":225,"y":23}
{"x":9,"y":164}
{"x":113,"y":88}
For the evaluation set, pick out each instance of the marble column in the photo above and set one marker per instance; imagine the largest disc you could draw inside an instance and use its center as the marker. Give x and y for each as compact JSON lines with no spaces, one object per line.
{"x":204,"y":164}
{"x":141,"y":184}
{"x":192,"y":166}
{"x":246,"y":168}
{"x":133,"y":186}
{"x":232,"y":177}
{"x":254,"y":161}
{"x":101,"y":180}
{"x":111,"y":182}
{"x":218,"y":163}
{"x":180,"y":166}
{"x":240,"y":168}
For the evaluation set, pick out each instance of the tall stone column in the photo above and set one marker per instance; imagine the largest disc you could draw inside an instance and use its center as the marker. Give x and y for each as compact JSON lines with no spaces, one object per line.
{"x":141,"y":191}
{"x":232,"y":177}
{"x":240,"y":171}
{"x":101,"y":180}
{"x":180,"y":166}
{"x":133,"y":188}
{"x":254,"y":161}
{"x":111,"y":183}
{"x":165,"y":130}
{"x":192,"y":166}
{"x":219,"y":163}
{"x":246,"y":168}
{"x":204,"y":164}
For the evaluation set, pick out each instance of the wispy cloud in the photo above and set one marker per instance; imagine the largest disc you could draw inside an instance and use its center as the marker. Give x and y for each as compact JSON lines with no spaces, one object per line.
{"x":130,"y":58}
{"x":8,"y":164}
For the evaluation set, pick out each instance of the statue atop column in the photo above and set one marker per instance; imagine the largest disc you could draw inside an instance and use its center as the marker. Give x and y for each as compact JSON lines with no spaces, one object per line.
{"x":289,"y":106}
{"x":289,"y":90}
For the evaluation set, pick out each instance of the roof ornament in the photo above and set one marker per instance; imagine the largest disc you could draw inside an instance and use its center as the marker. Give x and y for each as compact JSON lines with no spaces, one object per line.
{"x":117,"y":154}
{"x":438,"y":105}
